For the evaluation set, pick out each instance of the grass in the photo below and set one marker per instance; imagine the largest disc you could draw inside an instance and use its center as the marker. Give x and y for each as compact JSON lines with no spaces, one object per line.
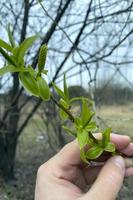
{"x":120,"y":118}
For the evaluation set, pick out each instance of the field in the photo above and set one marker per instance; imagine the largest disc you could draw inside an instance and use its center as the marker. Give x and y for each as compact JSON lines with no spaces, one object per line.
{"x":33,"y":150}
{"x":120,"y":118}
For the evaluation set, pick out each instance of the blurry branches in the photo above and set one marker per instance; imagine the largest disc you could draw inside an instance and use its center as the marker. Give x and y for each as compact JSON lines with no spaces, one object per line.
{"x":88,"y":40}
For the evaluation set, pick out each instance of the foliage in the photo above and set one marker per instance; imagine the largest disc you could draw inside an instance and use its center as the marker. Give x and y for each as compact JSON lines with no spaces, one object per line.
{"x":32,"y":80}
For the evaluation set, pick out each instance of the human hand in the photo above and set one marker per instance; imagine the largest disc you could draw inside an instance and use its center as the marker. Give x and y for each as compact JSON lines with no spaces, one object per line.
{"x":65,"y":177}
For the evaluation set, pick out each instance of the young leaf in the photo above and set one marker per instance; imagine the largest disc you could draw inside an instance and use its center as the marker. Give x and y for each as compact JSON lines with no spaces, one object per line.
{"x":81,"y":98}
{"x":86,"y":114}
{"x":44,"y":91}
{"x":42,"y":58}
{"x":59,"y":91}
{"x":78,"y":123}
{"x":63,"y":115}
{"x":10,"y":36}
{"x":7,"y":69}
{"x":29,"y":83}
{"x":66,"y":92}
{"x":12,"y":69}
{"x":91,"y":127}
{"x":106,"y":137}
{"x":5,"y":45}
{"x":25,"y":45}
{"x":110,"y":147}
{"x":83,"y":138}
{"x":69,"y":131}
{"x":85,"y":111}
{"x":20,"y":62}
{"x":7,"y":57}
{"x":94,"y":152}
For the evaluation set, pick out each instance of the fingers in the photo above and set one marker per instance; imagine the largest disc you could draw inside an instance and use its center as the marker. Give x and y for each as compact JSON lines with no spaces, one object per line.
{"x":128,"y":150}
{"x":121,"y":141}
{"x":129,"y":172}
{"x":91,"y":173}
{"x":70,"y":154}
{"x":109,"y":180}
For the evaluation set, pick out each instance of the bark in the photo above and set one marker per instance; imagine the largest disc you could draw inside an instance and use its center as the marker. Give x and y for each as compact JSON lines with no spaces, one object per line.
{"x":7,"y":156}
{"x":8,"y":133}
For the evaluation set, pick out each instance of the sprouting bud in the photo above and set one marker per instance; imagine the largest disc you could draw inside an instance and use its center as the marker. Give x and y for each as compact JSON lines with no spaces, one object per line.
{"x":42,"y":58}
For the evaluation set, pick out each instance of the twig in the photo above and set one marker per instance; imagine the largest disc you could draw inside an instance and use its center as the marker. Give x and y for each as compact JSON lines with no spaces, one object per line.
{"x":63,"y":108}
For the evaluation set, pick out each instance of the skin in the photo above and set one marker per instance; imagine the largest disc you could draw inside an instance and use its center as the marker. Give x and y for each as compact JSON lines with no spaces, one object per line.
{"x":66,"y":177}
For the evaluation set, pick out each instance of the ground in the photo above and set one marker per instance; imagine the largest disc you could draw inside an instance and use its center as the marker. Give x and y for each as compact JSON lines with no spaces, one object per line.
{"x":32,"y":151}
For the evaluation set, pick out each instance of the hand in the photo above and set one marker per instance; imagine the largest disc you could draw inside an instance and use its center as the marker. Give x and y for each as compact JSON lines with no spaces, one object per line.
{"x":65,"y":177}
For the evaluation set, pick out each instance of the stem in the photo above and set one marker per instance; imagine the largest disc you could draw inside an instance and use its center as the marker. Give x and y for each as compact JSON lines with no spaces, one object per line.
{"x":63,"y":108}
{"x":93,"y":138}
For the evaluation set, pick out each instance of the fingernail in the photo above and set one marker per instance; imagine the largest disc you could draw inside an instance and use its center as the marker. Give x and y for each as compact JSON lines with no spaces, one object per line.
{"x":119,"y":161}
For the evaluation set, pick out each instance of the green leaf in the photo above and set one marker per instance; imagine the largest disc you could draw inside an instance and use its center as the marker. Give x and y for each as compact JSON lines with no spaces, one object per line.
{"x":81,"y":98}
{"x":15,"y":51}
{"x":83,"y":156}
{"x":91,"y":127}
{"x":110,"y":147}
{"x":5,"y":45}
{"x":25,"y":45}
{"x":59,"y":91}
{"x":94,"y":152}
{"x":86,"y":114}
{"x":7,"y":57}
{"x":69,"y":131}
{"x":10,"y":36}
{"x":29,"y":83}
{"x":78,"y":123}
{"x":44,"y":91}
{"x":12,"y":69}
{"x":63,"y":114}
{"x":19,"y":61}
{"x":106,"y":137}
{"x":83,"y":138}
{"x":42,"y":57}
{"x":66,"y":92}
{"x":7,"y":69}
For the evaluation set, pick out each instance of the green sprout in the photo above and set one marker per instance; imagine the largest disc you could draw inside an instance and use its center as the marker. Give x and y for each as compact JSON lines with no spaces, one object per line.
{"x":83,"y":125}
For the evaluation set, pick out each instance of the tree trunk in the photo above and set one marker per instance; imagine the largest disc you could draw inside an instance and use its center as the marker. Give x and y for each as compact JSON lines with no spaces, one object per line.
{"x":7,"y":156}
{"x":9,"y":135}
{"x":9,"y":130}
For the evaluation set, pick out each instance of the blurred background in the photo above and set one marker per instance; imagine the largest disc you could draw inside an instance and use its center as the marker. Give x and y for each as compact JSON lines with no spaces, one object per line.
{"x":89,"y":40}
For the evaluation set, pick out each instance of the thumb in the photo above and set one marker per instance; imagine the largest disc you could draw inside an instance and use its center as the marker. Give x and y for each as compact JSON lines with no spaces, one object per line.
{"x":109,"y":181}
